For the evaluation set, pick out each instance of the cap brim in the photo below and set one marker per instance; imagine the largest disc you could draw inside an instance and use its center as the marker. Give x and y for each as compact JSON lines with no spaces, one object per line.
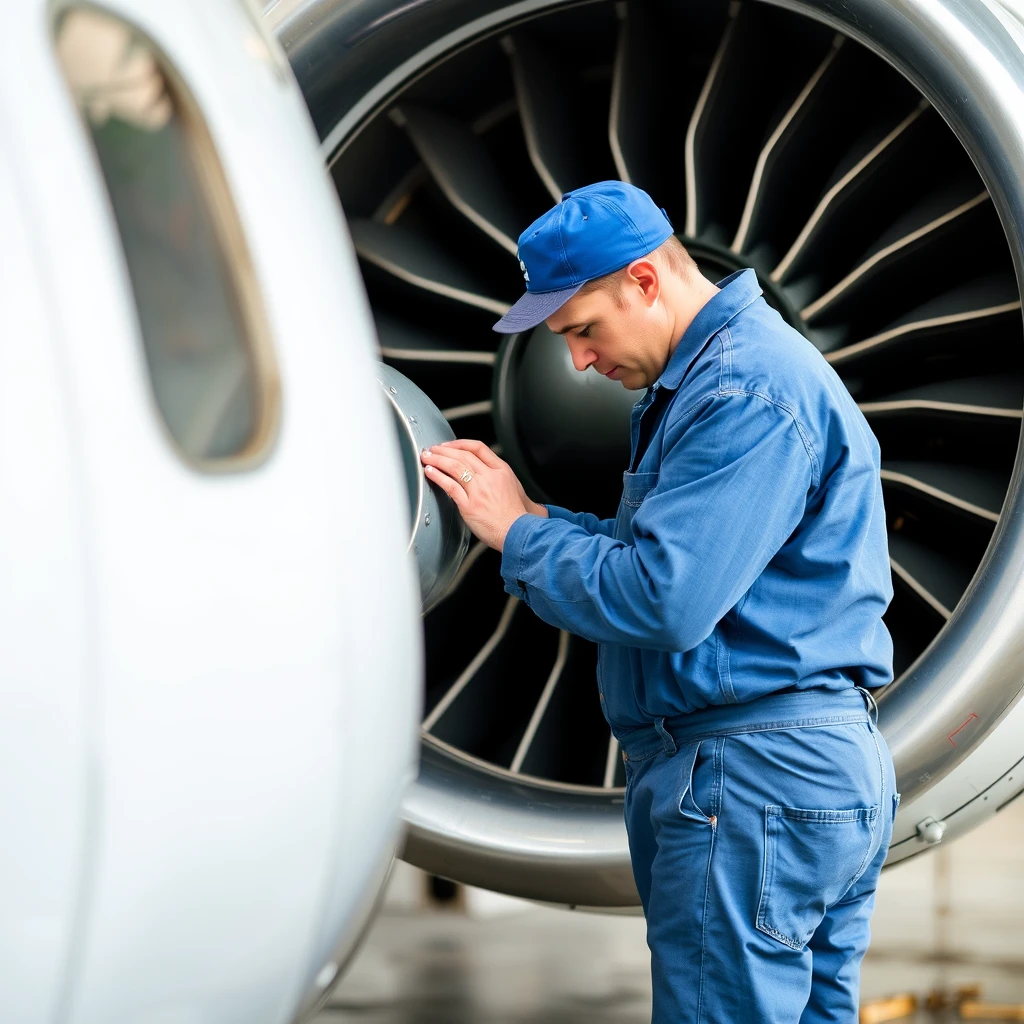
{"x":534,"y":308}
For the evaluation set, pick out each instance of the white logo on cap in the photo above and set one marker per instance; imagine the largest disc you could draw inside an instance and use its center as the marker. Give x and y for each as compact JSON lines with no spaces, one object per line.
{"x":522,"y":267}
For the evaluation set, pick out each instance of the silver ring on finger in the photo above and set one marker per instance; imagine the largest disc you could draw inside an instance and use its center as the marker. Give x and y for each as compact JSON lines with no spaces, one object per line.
{"x":466,"y":476}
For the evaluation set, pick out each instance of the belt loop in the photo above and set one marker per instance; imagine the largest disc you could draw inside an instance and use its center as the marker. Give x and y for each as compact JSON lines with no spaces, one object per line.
{"x":666,"y":736}
{"x":871,"y":703}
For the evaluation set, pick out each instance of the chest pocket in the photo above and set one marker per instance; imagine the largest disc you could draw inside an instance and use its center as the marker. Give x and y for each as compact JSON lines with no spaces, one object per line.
{"x":635,"y":487}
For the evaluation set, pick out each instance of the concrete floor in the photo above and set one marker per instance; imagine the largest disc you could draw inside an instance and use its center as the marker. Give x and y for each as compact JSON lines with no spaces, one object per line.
{"x":953,"y":917}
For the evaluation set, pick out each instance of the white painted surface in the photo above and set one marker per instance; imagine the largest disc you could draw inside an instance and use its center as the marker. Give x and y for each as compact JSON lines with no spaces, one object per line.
{"x":209,"y":683}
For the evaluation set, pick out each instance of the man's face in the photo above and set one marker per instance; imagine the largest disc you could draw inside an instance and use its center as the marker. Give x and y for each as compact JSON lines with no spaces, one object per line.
{"x":619,"y":330}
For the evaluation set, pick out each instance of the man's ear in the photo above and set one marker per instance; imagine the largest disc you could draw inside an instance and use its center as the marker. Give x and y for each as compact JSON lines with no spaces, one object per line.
{"x":645,"y":275}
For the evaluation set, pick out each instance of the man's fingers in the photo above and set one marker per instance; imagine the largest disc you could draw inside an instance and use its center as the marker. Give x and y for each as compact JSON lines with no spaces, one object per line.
{"x":449,"y":465}
{"x":448,"y":485}
{"x":463,"y":456}
{"x":478,"y":448}
{"x":455,"y":464}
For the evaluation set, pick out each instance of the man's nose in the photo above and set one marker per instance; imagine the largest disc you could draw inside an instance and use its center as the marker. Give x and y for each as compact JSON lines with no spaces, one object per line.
{"x":582,"y":357}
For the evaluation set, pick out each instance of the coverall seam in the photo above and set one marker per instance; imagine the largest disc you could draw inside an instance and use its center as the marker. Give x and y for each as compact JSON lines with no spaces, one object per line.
{"x":725,"y":360}
{"x":707,"y":883}
{"x":781,"y":726}
{"x":871,"y":851}
{"x":724,"y":675}
{"x":640,"y":758}
{"x":881,"y":807}
{"x":703,"y":400}
{"x":804,"y":439}
{"x":868,"y":855}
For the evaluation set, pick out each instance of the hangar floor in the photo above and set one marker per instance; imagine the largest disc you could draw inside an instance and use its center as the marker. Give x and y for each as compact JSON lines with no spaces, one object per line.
{"x":954,"y":917}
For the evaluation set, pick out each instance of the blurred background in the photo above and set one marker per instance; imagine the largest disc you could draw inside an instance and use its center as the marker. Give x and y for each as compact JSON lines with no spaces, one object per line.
{"x":947,"y":920}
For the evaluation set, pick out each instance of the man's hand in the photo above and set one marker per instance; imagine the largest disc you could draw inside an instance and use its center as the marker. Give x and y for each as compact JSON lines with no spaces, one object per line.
{"x":486,"y":492}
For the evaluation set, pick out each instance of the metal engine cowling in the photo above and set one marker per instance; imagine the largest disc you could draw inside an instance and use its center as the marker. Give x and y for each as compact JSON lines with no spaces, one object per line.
{"x":867,"y":159}
{"x":438,"y":538}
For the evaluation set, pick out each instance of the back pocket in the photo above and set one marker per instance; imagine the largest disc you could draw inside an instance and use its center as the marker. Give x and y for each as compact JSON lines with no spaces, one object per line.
{"x":811,"y":858}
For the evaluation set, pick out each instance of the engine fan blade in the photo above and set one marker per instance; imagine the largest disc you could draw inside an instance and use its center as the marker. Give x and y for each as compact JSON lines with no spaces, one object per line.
{"x":463,"y":170}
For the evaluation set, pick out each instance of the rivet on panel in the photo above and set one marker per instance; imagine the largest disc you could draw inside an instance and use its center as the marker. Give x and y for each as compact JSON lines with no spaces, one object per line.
{"x":931,"y":831}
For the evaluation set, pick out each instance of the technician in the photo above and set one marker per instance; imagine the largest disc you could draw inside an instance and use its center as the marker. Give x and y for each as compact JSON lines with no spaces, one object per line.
{"x":737,"y":602}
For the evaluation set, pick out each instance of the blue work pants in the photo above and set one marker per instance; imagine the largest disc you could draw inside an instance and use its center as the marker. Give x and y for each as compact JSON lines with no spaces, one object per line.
{"x":757,"y":832}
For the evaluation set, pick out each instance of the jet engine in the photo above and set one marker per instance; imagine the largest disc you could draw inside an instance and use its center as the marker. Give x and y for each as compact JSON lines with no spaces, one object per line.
{"x":866,"y":157}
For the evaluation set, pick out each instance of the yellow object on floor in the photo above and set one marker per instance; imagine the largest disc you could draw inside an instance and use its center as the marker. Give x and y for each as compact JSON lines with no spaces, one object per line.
{"x":875,"y":1011}
{"x":972,"y":1009}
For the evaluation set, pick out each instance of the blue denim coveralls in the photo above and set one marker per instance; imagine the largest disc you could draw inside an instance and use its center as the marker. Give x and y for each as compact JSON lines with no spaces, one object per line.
{"x":736,"y":600}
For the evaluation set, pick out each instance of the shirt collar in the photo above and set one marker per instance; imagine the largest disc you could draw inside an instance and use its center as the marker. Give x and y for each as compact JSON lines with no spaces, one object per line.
{"x":736,"y":292}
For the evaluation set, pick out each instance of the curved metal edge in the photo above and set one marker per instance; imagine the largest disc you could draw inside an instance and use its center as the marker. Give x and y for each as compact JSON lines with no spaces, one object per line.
{"x":525,"y":840}
{"x":317,"y":36}
{"x":438,"y":537}
{"x":478,"y":764}
{"x":973,"y":673}
{"x":980,"y":786}
{"x":333,"y":971}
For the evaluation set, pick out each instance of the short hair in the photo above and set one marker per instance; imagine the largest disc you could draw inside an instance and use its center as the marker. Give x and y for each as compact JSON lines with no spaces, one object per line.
{"x":676,"y":257}
{"x":671,"y":254}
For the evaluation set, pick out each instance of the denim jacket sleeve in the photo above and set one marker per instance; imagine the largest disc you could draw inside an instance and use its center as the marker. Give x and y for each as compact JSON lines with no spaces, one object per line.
{"x":732,"y":487}
{"x":587,"y":520}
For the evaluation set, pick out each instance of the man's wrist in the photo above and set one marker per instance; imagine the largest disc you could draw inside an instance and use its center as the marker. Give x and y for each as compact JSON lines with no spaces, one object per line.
{"x":499,"y":541}
{"x":537,"y":510}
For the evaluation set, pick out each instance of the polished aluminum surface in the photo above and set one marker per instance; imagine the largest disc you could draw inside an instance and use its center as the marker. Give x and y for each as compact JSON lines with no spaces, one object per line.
{"x":542,"y":842}
{"x":967,"y":60}
{"x":438,"y":537}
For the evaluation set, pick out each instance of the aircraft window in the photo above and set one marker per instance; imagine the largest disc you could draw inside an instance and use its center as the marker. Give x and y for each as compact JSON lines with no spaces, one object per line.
{"x":206,"y":342}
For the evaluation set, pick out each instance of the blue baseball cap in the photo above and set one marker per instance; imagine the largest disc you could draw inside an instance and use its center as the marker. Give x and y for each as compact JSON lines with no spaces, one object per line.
{"x":593,"y":231}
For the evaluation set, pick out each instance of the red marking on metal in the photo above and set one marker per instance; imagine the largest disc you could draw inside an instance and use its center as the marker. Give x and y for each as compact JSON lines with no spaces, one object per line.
{"x":964,"y":726}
